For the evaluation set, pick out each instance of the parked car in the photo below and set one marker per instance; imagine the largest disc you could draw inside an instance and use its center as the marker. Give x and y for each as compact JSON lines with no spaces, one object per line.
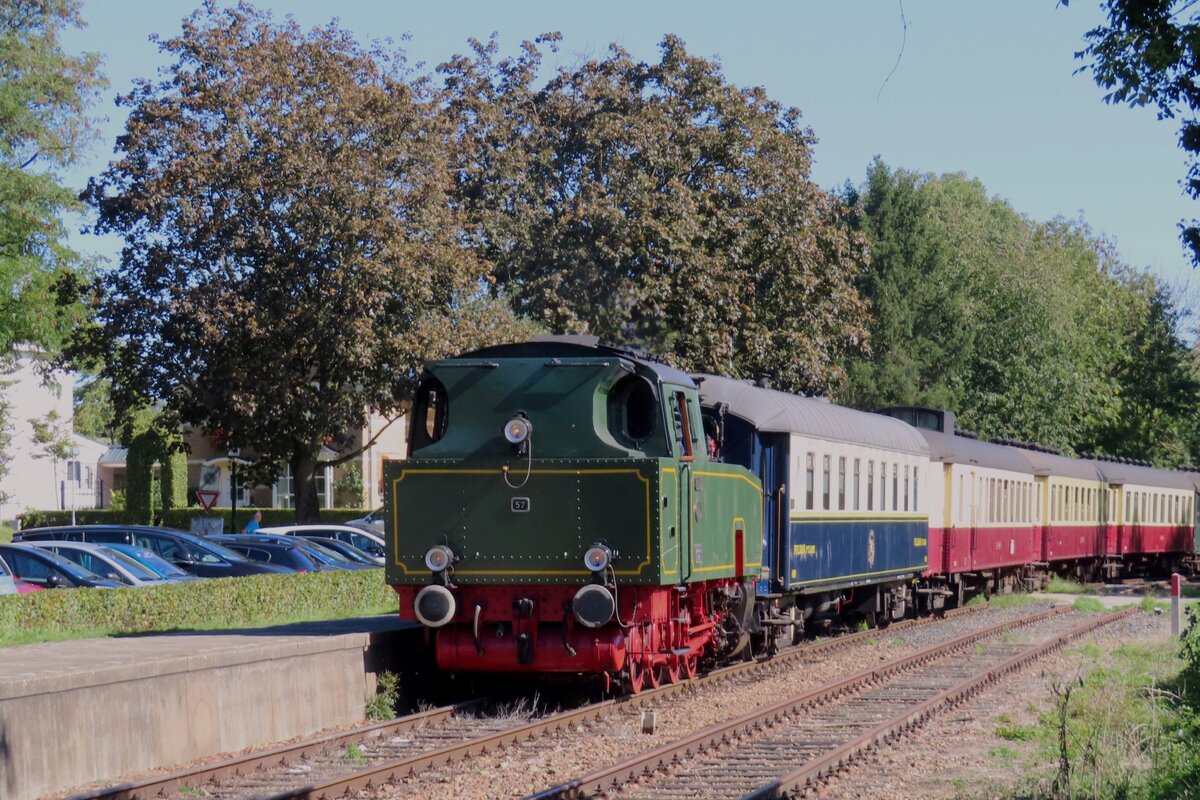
{"x":104,"y":561}
{"x":291,"y":554}
{"x":50,"y":570}
{"x":190,"y":553}
{"x":316,"y":551}
{"x":156,"y":563}
{"x":369,"y":542}
{"x":346,"y":549}
{"x":373,"y":522}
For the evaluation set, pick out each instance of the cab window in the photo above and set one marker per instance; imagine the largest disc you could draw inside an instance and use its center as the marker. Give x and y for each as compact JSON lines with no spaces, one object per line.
{"x":430,"y":413}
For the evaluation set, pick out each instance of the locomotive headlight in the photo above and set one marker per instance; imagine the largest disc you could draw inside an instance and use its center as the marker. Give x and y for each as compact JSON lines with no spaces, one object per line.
{"x":597,"y":557}
{"x":439,"y":558}
{"x":518,"y":429}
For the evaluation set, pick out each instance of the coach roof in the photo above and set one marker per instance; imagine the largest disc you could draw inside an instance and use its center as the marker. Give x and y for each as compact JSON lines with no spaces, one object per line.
{"x":1122,"y":474}
{"x":1050,"y":464}
{"x":778,"y":412}
{"x":946,"y":447}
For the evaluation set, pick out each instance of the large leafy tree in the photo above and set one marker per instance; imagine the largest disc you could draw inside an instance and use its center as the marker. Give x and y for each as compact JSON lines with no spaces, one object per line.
{"x":1025,"y":329}
{"x":1148,"y":54}
{"x":658,"y":204}
{"x":44,"y":96}
{"x":290,"y":252}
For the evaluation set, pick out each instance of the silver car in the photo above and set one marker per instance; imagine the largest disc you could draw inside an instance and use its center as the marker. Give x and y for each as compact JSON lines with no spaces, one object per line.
{"x":104,"y":561}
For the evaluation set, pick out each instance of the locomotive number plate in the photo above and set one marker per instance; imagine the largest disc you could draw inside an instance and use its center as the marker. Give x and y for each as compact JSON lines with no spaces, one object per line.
{"x":519,"y":504}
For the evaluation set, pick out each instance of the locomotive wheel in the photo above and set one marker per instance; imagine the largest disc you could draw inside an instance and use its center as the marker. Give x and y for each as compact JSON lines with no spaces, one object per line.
{"x":655,"y":675}
{"x":691,"y":664}
{"x":674,"y":669}
{"x":635,"y":676}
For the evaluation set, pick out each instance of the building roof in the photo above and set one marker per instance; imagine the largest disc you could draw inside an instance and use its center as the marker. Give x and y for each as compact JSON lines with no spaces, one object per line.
{"x":772,"y":411}
{"x":114,"y":455}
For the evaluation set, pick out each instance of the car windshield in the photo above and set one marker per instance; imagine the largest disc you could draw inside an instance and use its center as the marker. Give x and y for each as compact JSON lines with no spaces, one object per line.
{"x":212,"y":553}
{"x":155,"y":562}
{"x":351,"y":552}
{"x":323,"y":554}
{"x":132,"y":565}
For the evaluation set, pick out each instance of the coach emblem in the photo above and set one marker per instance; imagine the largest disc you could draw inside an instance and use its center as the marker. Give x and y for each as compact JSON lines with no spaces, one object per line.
{"x":871,"y":548}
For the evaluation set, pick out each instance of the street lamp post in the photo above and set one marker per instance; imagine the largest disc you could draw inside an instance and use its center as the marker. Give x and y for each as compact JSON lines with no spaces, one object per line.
{"x":234,"y":453}
{"x":73,"y":476}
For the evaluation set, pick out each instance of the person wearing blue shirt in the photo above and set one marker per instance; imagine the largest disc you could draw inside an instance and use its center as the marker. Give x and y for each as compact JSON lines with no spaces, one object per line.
{"x":254,"y":524}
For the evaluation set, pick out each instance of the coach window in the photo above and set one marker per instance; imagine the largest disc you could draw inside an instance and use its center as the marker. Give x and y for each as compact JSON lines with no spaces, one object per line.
{"x":961,"y":516}
{"x":841,"y":483}
{"x":871,"y":485}
{"x":883,"y":486}
{"x":916,"y":489}
{"x":857,"y":466}
{"x":809,"y":466}
{"x":895,"y":487}
{"x":825,"y":469}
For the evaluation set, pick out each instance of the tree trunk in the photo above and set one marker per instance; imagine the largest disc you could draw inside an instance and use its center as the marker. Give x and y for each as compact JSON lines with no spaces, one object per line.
{"x":304,"y":486}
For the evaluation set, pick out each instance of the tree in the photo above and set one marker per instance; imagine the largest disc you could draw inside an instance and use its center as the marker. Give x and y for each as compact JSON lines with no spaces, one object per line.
{"x":290,"y":246}
{"x":1148,"y":53}
{"x":94,"y":415}
{"x":44,"y":96}
{"x":657,"y":204}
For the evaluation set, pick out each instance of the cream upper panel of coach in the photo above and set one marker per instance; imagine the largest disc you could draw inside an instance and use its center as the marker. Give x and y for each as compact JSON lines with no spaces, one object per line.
{"x":1149,"y":496}
{"x":985,"y":484}
{"x":841,"y":478}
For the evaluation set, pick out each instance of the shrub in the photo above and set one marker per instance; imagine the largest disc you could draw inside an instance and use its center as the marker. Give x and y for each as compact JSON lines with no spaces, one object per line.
{"x":182,"y":517}
{"x":32,"y":518}
{"x":212,"y":603}
{"x":387,"y":694}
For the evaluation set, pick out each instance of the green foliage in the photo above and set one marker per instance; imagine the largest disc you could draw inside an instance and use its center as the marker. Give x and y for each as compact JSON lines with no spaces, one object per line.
{"x":1146,"y":54}
{"x":173,"y":475}
{"x":32,"y":518}
{"x":348,"y":488}
{"x":1026,"y":330}
{"x":139,"y":477}
{"x":1059,"y":585}
{"x":180,"y":518}
{"x":43,"y":128}
{"x":354,"y":754}
{"x":1016,"y":733}
{"x":94,"y":414}
{"x":387,"y":694}
{"x":209,"y":604}
{"x":5,"y":534}
{"x":1088,"y":605}
{"x":625,"y":198}
{"x":117,"y":504}
{"x":51,"y":436}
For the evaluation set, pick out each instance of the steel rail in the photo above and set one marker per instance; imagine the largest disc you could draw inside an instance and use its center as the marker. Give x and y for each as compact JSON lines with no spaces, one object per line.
{"x":613,"y":776}
{"x":842,"y":757}
{"x":243,"y":764}
{"x":374,"y":775}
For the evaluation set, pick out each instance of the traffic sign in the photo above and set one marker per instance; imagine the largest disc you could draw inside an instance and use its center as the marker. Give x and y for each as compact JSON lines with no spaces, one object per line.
{"x":207,"y":498}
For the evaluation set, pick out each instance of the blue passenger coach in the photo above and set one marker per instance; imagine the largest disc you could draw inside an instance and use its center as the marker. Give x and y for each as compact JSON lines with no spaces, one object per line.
{"x":845,"y":527}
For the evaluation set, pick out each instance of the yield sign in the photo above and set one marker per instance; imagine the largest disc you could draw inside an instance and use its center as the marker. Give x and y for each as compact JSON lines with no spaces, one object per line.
{"x":207,"y":498}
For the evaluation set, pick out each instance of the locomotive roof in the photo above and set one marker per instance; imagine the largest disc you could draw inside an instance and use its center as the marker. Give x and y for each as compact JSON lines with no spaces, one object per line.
{"x":947,"y":447}
{"x":580,"y":347}
{"x":1052,"y":464}
{"x":778,"y":412}
{"x":1115,"y":472}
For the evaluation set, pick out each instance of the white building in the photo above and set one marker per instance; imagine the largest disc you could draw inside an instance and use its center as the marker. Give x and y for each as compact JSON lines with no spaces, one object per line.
{"x":35,"y":478}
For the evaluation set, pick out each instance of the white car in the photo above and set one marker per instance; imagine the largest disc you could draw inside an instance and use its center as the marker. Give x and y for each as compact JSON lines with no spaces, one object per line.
{"x":368,"y":541}
{"x":373,"y":521}
{"x":104,"y":561}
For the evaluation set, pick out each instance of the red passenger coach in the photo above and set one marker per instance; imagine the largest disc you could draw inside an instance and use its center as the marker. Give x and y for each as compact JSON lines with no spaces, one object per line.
{"x":1151,"y":512}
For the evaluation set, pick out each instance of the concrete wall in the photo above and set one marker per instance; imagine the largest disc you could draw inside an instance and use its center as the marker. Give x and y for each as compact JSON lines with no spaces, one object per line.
{"x":72,"y":713}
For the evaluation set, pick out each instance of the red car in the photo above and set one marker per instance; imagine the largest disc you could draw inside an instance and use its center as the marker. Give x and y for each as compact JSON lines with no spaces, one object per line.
{"x":8,"y":579}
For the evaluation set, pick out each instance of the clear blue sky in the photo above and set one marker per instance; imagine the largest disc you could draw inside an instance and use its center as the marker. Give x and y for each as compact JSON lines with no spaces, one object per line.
{"x":982,"y":88}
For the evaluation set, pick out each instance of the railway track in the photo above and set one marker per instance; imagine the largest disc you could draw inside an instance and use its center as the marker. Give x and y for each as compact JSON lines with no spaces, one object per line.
{"x":372,"y":755}
{"x":828,"y":729}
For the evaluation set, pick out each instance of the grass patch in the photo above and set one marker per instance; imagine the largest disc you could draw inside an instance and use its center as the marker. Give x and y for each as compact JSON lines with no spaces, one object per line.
{"x":211,"y":604}
{"x":1059,"y":585}
{"x":1016,"y":733}
{"x":5,"y":534}
{"x":354,"y":754}
{"x":1088,"y":605}
{"x":1001,"y":600}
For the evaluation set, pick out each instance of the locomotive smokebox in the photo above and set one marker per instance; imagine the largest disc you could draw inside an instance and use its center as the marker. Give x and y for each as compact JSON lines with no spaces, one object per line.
{"x":593,"y":606}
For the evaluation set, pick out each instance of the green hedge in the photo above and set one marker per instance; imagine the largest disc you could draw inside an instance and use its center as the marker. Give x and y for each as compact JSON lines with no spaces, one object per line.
{"x":182,"y":517}
{"x":206,"y":604}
